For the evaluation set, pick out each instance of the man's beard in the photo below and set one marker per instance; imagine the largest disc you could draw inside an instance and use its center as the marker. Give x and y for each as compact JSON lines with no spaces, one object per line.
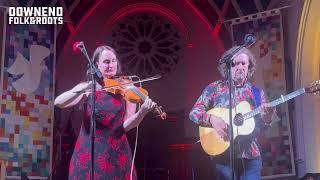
{"x":239,"y":76}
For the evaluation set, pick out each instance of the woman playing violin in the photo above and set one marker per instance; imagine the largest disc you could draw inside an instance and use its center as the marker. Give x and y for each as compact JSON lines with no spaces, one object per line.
{"x":114,"y":117}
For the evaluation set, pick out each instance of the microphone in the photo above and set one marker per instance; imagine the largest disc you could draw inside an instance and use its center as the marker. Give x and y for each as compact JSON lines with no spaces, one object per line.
{"x":98,"y":76}
{"x":77,"y":46}
{"x":249,"y":39}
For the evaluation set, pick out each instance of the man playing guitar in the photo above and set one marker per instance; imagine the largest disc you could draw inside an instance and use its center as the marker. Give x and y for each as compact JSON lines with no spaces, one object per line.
{"x":216,"y":95}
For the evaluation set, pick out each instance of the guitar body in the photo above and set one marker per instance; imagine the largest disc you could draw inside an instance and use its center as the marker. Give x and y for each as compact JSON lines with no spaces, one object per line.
{"x":211,"y":142}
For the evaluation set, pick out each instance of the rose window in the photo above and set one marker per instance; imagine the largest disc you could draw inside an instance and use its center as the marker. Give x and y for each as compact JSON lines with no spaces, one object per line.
{"x":147,"y":44}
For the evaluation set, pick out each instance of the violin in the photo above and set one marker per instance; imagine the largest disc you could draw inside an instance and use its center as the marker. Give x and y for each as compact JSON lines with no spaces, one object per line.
{"x":130,"y":92}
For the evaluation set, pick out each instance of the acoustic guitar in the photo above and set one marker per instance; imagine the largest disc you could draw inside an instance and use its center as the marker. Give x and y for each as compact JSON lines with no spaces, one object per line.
{"x":213,"y":144}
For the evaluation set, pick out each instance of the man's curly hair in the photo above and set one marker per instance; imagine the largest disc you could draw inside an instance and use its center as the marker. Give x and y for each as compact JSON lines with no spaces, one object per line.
{"x":252,"y":63}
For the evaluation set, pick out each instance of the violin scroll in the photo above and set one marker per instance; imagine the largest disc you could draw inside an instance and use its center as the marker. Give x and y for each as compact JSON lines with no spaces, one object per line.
{"x":160,"y":112}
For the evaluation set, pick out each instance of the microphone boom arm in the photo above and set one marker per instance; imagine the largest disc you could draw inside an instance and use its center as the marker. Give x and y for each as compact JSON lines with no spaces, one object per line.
{"x":249,"y":40}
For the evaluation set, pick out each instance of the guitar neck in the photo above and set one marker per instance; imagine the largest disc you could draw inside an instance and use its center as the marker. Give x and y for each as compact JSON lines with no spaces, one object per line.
{"x":276,"y":102}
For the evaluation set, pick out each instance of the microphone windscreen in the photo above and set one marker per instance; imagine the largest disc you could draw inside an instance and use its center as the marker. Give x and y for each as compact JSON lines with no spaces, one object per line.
{"x":76,"y":48}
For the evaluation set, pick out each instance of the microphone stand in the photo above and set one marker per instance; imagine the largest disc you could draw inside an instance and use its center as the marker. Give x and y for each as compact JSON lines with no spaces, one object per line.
{"x":228,"y":59}
{"x":94,"y":72}
{"x":230,"y":133}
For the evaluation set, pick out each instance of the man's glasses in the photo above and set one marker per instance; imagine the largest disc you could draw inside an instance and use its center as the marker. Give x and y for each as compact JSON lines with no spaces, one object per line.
{"x":238,"y":63}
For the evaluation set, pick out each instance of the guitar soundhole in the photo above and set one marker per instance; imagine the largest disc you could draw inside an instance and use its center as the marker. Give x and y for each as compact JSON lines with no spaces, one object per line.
{"x":238,"y":119}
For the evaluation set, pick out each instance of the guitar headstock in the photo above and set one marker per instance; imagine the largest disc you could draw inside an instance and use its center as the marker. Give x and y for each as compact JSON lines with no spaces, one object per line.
{"x":313,"y":88}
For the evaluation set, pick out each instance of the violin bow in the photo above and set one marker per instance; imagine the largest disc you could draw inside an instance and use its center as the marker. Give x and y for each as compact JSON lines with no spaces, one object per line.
{"x":134,"y":82}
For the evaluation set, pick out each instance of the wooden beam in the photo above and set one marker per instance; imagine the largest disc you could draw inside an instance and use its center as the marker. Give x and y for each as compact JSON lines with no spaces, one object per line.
{"x":250,"y":15}
{"x":215,"y":7}
{"x":237,"y":7}
{"x":59,"y":28}
{"x":74,"y":5}
{"x":53,"y":2}
{"x":273,"y":4}
{"x":225,"y":9}
{"x":224,"y":13}
{"x":13,"y":3}
{"x":221,"y":13}
{"x":29,"y":3}
{"x":66,"y":12}
{"x":258,"y":5}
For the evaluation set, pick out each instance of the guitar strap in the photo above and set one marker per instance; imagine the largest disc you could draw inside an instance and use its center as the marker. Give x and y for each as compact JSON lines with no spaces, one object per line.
{"x":257,"y":95}
{"x":259,"y":123}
